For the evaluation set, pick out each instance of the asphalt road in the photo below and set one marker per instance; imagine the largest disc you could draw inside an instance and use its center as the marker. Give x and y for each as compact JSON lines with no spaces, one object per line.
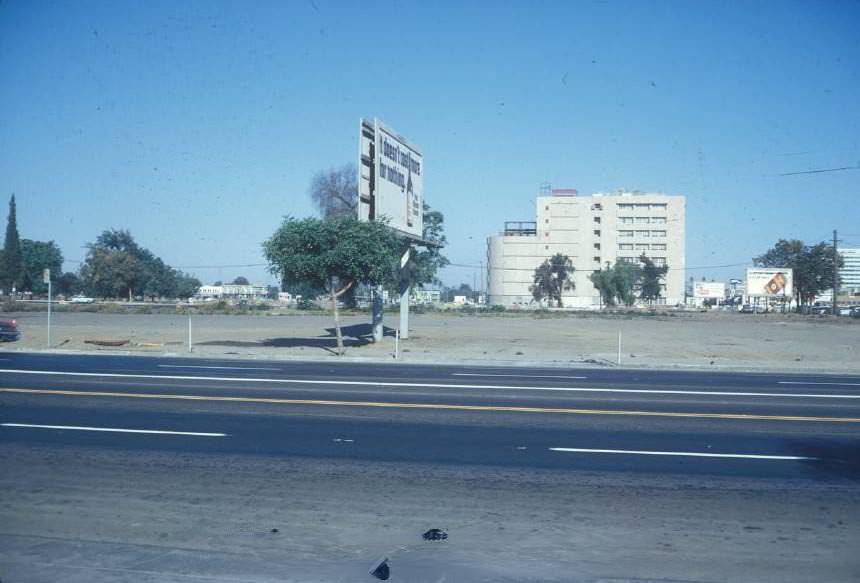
{"x":539,"y":474}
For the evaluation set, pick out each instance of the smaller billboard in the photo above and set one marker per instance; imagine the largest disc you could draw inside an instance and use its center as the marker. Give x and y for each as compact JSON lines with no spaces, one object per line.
{"x":709,"y":290}
{"x":770,"y":282}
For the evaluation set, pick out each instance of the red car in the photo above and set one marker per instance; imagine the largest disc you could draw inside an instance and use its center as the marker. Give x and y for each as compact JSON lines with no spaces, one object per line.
{"x":9,"y":330}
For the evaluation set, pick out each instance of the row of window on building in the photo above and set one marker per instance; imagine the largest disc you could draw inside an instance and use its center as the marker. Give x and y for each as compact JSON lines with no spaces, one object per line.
{"x":642,"y":220}
{"x":622,"y":234}
{"x":642,"y":246}
{"x":641,"y":206}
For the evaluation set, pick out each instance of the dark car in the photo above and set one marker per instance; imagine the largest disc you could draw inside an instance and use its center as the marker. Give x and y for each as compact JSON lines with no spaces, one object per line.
{"x":9,"y":330}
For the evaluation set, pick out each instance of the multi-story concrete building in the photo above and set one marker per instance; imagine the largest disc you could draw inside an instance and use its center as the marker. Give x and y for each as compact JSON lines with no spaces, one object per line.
{"x":849,"y":275}
{"x":594,"y":231}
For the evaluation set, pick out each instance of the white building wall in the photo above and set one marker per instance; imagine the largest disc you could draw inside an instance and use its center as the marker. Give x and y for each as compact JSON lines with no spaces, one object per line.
{"x":593,"y":231}
{"x":849,"y":275}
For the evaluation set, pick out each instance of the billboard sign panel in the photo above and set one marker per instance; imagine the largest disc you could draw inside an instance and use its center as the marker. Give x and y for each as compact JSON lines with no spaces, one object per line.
{"x":770,"y":282}
{"x":391,"y":179}
{"x":709,"y":290}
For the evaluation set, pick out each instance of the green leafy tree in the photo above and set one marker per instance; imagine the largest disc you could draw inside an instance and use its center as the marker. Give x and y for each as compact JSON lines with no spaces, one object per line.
{"x":241,"y":280}
{"x":185,"y":285}
{"x":617,"y":284}
{"x":424,"y":264}
{"x":552,"y":278}
{"x":38,"y":256}
{"x":813,"y":266}
{"x":333,"y":255}
{"x":12,"y":269}
{"x":116,"y":266}
{"x":626,"y":277}
{"x":652,"y":276}
{"x":68,"y":284}
{"x":603,"y":281}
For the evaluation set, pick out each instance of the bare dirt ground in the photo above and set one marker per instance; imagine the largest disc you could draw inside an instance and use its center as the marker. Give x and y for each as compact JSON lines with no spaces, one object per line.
{"x":684,"y":339}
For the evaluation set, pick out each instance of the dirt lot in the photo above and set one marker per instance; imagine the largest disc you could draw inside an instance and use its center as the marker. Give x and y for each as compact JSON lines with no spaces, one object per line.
{"x":684,"y":339}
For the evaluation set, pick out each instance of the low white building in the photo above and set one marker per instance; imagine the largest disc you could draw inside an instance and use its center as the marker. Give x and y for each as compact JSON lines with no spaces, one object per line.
{"x":426,"y":296}
{"x":232,"y":292}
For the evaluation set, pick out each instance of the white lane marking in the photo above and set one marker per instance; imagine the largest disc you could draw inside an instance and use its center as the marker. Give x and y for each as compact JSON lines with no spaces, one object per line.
{"x":521,"y":376}
{"x":814,"y":383}
{"x":113,"y":429}
{"x":217,"y":367}
{"x":428,"y":385}
{"x":683,"y":453}
{"x":341,"y":440}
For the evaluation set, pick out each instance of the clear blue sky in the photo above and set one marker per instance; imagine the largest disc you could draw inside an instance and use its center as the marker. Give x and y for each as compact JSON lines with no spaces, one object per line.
{"x":197,"y":125}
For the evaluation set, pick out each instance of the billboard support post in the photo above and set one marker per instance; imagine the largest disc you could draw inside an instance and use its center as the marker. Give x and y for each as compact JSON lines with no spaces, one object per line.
{"x":376,"y":318}
{"x":404,"y":296}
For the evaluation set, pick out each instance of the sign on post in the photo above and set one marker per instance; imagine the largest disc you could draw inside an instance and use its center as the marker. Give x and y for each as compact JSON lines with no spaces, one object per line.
{"x":391,"y":187}
{"x":770,"y":282}
{"x":709,"y":290}
{"x":46,"y":275}
{"x":391,"y":179}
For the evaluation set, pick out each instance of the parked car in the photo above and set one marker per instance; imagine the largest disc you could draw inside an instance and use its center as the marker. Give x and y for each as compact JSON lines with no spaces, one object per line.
{"x":821,"y":310}
{"x":747,"y":309}
{"x":9,"y":330}
{"x":81,"y":300}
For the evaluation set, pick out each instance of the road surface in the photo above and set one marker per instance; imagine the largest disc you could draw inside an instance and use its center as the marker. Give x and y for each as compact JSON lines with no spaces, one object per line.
{"x":153,"y":469}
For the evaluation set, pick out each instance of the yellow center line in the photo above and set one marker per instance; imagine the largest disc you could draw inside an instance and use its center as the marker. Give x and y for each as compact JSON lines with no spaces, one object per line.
{"x":437,"y":406}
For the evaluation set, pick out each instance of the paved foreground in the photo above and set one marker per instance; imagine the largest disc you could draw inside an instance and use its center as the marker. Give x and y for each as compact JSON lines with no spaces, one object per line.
{"x":152,"y":469}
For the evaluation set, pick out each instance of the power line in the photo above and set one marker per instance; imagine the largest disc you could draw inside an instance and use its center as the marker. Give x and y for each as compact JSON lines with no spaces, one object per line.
{"x":531,"y":270}
{"x":820,"y":171}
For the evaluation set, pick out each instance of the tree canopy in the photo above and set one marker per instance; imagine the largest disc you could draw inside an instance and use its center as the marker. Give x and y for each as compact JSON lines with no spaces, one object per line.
{"x":814,"y":266}
{"x":617,"y":284}
{"x":12,"y":269}
{"x":241,"y":280}
{"x":551,"y":278}
{"x":651,"y":278}
{"x":37,"y":256}
{"x":424,"y":264}
{"x":116,"y":266}
{"x":333,"y":255}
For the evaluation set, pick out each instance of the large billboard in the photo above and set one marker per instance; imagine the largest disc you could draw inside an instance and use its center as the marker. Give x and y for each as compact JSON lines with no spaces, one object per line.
{"x":769,"y":282}
{"x":391,"y":179}
{"x":709,"y":290}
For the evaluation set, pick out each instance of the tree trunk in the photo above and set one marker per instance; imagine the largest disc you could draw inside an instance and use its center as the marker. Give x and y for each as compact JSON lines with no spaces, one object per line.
{"x":334,"y":295}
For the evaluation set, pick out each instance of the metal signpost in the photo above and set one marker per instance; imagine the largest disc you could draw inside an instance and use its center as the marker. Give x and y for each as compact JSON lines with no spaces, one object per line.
{"x":391,"y":186}
{"x":46,"y":278}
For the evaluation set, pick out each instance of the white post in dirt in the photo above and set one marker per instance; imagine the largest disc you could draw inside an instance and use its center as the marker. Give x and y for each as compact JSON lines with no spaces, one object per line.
{"x":46,"y":277}
{"x":190,"y":345}
{"x":404,"y":296}
{"x":619,"y":348}
{"x":397,"y":344}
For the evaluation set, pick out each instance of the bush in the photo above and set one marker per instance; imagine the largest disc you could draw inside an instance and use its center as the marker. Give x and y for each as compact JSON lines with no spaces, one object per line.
{"x":496,"y":308}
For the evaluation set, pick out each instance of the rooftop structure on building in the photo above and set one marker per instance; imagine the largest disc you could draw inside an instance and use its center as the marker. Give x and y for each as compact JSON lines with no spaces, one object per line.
{"x":594,"y":231}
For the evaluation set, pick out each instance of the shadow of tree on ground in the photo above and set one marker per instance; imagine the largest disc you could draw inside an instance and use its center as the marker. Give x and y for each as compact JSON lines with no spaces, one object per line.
{"x":354,"y":336}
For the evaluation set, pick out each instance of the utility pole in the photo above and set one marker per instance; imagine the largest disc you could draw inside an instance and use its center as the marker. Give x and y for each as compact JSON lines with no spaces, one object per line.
{"x":835,"y":274}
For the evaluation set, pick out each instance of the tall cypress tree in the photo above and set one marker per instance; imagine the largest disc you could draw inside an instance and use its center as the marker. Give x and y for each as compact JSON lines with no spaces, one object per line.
{"x":13,"y":263}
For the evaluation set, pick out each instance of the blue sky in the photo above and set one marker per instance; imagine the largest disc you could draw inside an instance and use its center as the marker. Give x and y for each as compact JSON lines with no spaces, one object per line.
{"x":197,"y":125}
